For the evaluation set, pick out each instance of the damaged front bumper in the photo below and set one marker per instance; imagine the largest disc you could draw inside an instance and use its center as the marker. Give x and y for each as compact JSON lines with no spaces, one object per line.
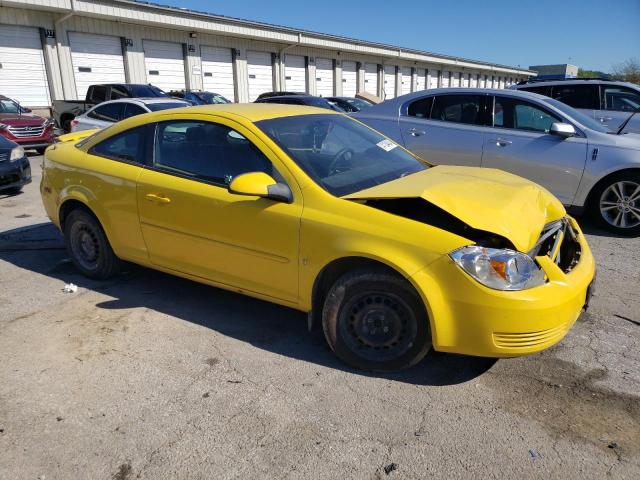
{"x":469,"y":318}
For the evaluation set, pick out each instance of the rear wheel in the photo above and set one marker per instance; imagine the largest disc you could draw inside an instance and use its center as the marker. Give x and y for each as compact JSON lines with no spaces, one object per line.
{"x":374,"y":320}
{"x":616,"y":204}
{"x":88,"y":246}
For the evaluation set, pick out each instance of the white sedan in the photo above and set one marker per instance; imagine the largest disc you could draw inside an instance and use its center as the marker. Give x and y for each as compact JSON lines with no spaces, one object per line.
{"x":107,"y":113}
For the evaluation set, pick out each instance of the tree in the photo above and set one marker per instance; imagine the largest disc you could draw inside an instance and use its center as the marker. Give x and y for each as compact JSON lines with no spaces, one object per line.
{"x":627,"y":71}
{"x":592,"y":74}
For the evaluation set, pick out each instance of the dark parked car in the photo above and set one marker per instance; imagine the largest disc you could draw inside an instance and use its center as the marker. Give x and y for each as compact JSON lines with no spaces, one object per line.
{"x":198,"y":97}
{"x":349,"y":104}
{"x":15,"y":171}
{"x":308,"y":100}
{"x":19,"y":125}
{"x":278,"y":94}
{"x":66,"y":110}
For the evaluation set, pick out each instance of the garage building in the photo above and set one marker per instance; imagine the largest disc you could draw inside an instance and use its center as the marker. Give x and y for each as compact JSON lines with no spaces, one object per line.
{"x":54,"y":49}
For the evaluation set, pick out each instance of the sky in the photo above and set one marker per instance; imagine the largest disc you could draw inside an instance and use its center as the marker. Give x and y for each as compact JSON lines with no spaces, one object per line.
{"x":593,"y":35}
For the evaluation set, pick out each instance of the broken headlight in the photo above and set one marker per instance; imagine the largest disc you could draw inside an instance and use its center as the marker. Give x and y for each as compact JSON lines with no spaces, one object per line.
{"x":500,"y":269}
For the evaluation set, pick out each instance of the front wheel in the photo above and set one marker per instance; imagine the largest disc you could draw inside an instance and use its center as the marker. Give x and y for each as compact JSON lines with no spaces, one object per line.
{"x":375,"y":320}
{"x":88,"y":245}
{"x":616,"y":204}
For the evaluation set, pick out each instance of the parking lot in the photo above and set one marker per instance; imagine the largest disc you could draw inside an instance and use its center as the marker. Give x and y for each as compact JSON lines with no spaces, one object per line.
{"x":152,"y":376}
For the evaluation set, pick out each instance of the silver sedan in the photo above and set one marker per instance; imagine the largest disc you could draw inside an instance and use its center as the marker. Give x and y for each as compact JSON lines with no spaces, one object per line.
{"x":584,"y":164}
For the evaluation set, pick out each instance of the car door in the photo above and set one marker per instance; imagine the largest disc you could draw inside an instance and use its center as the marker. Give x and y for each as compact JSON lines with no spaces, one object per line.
{"x":520,"y":143}
{"x":583,"y":97}
{"x":445,"y":129}
{"x":192,"y":224}
{"x":618,"y":103}
{"x":100,"y":117}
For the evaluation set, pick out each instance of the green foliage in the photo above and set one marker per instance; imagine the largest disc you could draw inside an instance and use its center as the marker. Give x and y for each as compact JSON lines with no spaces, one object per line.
{"x":627,"y":71}
{"x":592,"y":74}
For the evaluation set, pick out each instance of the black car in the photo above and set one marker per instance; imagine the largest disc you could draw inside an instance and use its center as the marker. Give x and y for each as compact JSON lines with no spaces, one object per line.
{"x":278,"y":94}
{"x":349,"y":104}
{"x":309,"y":100}
{"x":15,"y":171}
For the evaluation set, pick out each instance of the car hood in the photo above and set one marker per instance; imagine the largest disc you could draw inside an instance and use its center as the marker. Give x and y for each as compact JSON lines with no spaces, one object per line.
{"x":485,"y":199}
{"x":22,"y":120}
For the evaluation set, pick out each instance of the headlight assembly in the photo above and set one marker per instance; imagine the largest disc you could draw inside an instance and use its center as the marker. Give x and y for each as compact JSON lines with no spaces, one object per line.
{"x":500,"y":269}
{"x":16,"y":154}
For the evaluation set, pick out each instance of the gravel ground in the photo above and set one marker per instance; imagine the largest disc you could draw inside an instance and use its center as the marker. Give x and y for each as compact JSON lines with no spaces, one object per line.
{"x":155,"y":377}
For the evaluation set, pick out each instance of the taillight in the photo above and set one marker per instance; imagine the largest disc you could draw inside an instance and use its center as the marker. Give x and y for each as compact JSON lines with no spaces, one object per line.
{"x":74,"y":123}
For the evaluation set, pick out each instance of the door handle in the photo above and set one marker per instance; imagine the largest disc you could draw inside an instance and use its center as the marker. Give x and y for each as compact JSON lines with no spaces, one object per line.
{"x":501,"y":142}
{"x":414,"y":132}
{"x":605,"y":119}
{"x":152,"y":197}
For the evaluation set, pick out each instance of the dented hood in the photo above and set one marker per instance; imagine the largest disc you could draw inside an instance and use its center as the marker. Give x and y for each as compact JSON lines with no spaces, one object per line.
{"x":483,"y":198}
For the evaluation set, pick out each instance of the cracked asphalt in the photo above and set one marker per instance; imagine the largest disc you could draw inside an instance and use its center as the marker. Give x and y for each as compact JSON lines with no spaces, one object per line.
{"x":154,"y":377}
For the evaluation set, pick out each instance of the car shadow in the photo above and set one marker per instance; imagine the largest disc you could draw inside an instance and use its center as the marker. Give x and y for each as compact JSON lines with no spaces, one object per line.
{"x":39,"y":248}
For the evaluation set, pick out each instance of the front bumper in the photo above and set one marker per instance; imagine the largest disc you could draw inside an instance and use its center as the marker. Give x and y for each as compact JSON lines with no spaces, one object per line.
{"x":15,"y":174}
{"x":469,"y":318}
{"x":41,"y":141}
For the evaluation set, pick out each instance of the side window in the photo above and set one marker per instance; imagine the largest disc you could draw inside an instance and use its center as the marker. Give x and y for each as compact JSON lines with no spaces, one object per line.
{"x":578,"y":96}
{"x":621,"y":99}
{"x":521,"y":115}
{"x":546,"y":91}
{"x":109,"y":112}
{"x":457,"y":109}
{"x":127,"y":146}
{"x":118,"y":92}
{"x":98,"y":94}
{"x":131,"y":110}
{"x":420,"y":108}
{"x":206,"y":151}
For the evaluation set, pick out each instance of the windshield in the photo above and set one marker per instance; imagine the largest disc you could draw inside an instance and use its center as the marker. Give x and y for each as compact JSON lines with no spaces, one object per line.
{"x":211,"y":98}
{"x":579,"y":116}
{"x":154,"y":107}
{"x":9,"y":106}
{"x":361,"y":104}
{"x":142,"y":91}
{"x":340,"y":154}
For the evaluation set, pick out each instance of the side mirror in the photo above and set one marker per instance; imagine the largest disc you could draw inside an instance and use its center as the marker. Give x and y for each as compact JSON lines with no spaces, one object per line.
{"x":25,"y":109}
{"x":259,"y":184}
{"x":563,"y":130}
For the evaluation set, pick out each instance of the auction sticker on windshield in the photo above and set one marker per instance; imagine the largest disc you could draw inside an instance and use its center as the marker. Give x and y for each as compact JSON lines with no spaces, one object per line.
{"x":386,"y":145}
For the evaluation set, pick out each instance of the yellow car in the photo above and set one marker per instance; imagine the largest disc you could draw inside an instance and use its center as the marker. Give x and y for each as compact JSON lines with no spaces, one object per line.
{"x":313,"y":210}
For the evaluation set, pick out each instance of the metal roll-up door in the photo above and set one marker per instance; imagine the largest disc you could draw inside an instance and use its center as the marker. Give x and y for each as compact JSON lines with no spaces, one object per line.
{"x":389,"y":90}
{"x":260,"y":72}
{"x":95,"y":59}
{"x":349,"y":79}
{"x":421,"y":79}
{"x":445,"y":79}
{"x":295,"y":73}
{"x":464,"y":82}
{"x":371,"y":78}
{"x":432,"y":79}
{"x":455,"y":80}
{"x":164,"y":63}
{"x":324,"y":77}
{"x":217,"y":71}
{"x":23,"y":76}
{"x":405,"y":87}
{"x":473,"y":82}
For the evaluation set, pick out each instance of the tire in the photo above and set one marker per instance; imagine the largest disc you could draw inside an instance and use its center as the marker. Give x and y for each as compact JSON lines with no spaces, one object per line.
{"x":375,"y":320}
{"x":88,"y":246}
{"x":615,"y":204}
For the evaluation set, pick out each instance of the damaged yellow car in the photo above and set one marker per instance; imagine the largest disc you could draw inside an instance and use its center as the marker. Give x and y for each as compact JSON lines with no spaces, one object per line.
{"x":313,"y":210}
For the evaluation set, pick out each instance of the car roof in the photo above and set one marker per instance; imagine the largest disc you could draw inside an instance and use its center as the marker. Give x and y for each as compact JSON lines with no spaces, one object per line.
{"x":145,"y":100}
{"x":253,"y":112}
{"x":464,"y":91}
{"x":576,"y":81}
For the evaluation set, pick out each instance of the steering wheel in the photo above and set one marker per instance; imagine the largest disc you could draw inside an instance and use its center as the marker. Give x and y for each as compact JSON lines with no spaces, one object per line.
{"x":345,"y":155}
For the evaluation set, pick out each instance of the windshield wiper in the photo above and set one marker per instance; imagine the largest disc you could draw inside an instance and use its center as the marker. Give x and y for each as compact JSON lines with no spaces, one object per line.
{"x":624,"y":124}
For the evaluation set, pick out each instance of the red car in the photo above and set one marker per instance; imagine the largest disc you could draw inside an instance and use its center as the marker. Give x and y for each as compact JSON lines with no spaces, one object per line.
{"x":19,"y":125}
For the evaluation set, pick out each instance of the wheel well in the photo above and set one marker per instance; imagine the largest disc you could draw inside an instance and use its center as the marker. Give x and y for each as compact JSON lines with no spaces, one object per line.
{"x":64,"y":117}
{"x":604,"y":179}
{"x":328,"y":276}
{"x":70,"y":205}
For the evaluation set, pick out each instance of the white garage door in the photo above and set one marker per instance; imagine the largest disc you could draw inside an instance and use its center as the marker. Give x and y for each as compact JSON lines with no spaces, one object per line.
{"x":465,"y":80}
{"x":445,"y":79}
{"x":22,"y":73}
{"x":455,"y":79}
{"x":421,"y":79}
{"x":371,"y":78}
{"x":217,"y":71}
{"x":324,"y":77}
{"x":432,"y":79}
{"x":260,"y":73}
{"x":95,"y":59}
{"x":295,"y":75}
{"x":164,"y":62}
{"x":389,"y":81}
{"x":473,"y":83}
{"x":349,"y":79}
{"x":406,"y":81}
